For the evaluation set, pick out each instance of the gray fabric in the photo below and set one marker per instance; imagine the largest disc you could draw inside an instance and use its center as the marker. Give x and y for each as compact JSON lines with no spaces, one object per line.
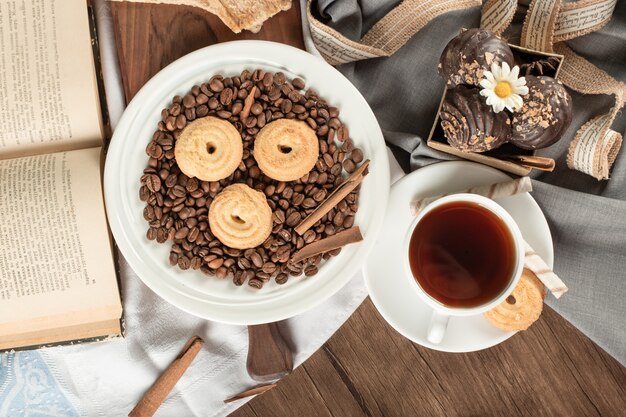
{"x":588,"y":225}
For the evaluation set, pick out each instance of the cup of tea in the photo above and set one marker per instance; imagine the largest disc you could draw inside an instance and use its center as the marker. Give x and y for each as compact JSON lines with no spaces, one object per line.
{"x":464,"y":255}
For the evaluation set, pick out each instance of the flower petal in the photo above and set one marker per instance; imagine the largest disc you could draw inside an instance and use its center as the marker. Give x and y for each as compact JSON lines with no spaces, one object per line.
{"x":521,"y":90}
{"x":498,"y":106}
{"x":486,"y":92}
{"x":495,"y":70}
{"x":488,"y":75}
{"x":514,"y":73}
{"x":485,"y":83}
{"x":520,"y":81}
{"x":506,"y":70}
{"x":517,"y":102}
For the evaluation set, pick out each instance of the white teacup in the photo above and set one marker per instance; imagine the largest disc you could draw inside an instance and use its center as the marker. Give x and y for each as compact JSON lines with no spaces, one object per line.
{"x":441,"y":312}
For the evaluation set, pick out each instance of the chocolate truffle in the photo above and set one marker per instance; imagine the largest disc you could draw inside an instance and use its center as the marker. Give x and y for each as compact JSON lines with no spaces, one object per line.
{"x":469,"y":124}
{"x":467,"y":56}
{"x":544,"y":66}
{"x":545,"y":115}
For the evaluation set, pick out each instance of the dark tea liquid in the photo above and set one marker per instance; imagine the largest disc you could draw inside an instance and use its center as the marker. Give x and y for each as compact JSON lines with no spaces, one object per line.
{"x":462,"y":254}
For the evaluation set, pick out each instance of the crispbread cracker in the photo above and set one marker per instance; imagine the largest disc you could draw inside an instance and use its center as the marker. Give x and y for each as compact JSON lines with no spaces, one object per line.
{"x":238,"y":15}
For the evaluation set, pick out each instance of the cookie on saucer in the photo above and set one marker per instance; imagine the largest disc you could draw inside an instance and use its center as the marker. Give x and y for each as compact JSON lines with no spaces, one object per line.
{"x":522,"y":308}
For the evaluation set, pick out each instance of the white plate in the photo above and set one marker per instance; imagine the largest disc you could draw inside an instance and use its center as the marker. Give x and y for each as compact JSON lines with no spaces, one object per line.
{"x":192,"y":291}
{"x":390,"y":288}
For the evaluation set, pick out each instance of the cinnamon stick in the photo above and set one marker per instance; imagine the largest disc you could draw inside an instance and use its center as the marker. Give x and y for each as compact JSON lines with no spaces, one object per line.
{"x":338,"y":240}
{"x":538,"y":266}
{"x":334,"y":198}
{"x":531,"y":161}
{"x":493,"y":191}
{"x":250,"y":392}
{"x":247,"y":104}
{"x":157,"y":393}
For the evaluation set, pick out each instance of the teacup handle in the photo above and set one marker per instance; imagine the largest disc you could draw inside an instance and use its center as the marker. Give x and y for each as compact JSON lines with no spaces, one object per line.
{"x":437,"y":327}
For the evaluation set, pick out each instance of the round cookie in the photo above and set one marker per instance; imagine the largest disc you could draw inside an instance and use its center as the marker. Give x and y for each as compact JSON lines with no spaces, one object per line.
{"x":286,"y":149}
{"x":209,"y":149}
{"x":240,"y":217}
{"x":522,"y":308}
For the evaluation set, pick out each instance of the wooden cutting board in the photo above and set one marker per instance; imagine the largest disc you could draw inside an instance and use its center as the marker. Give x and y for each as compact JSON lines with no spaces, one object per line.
{"x":148,"y":37}
{"x":366,"y":368}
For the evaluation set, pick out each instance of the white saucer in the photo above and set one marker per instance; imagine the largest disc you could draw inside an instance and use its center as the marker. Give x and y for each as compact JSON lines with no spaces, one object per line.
{"x":390,"y":288}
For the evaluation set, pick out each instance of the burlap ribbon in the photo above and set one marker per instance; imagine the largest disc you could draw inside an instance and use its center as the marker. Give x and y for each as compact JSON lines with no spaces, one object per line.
{"x":547,"y":25}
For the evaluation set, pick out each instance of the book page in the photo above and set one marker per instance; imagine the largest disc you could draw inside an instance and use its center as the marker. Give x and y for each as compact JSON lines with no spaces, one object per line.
{"x":56,"y":264}
{"x":49,"y":96}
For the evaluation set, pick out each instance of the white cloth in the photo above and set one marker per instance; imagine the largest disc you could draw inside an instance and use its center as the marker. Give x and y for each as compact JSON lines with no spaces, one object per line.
{"x":107,"y":379}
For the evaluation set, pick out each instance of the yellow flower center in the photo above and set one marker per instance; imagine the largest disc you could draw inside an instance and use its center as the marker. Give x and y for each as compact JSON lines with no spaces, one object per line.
{"x":503,"y":89}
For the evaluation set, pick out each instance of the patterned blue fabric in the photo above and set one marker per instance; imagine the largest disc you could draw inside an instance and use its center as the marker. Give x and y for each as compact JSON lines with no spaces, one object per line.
{"x":27,"y":388}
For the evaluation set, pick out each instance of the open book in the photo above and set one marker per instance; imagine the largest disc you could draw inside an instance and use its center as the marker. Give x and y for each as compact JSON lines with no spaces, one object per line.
{"x":57,"y":271}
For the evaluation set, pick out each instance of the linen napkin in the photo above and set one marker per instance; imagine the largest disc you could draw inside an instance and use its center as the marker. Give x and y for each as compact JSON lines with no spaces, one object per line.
{"x":107,"y":379}
{"x":587,"y":217}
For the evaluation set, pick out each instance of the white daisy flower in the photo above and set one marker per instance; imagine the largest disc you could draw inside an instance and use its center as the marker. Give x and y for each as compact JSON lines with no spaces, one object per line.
{"x":503,"y":88}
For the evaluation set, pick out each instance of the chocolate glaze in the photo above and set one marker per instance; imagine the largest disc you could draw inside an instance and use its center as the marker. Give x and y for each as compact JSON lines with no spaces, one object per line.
{"x":545,"y":115}
{"x":467,"y":56}
{"x":469,"y":124}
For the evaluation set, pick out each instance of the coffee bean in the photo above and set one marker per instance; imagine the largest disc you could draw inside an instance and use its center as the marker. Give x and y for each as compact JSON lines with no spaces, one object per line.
{"x":349,"y":166}
{"x":255,"y":283}
{"x":298,"y":83}
{"x":310,"y":270}
{"x":154,"y":150}
{"x":293,"y":219}
{"x":281,"y":278}
{"x":357,"y":155}
{"x":184,"y":263}
{"x":189,"y":101}
{"x":269,"y":267}
{"x":216,"y":85}
{"x":226,"y":96}
{"x":285,"y":235}
{"x":144,"y":193}
{"x":238,"y":279}
{"x":216,"y":263}
{"x":181,"y":121}
{"x":328,"y":159}
{"x":348,"y":222}
{"x":243,"y":263}
{"x":297,"y":199}
{"x":153,"y":183}
{"x":338,"y":219}
{"x":148,"y":213}
{"x":309,"y":236}
{"x":222,"y":272}
{"x":195,"y":263}
{"x":256,"y":259}
{"x":194,"y":233}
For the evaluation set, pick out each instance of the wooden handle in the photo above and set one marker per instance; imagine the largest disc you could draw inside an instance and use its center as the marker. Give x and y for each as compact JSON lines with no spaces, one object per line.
{"x":269,"y":357}
{"x":157,"y":393}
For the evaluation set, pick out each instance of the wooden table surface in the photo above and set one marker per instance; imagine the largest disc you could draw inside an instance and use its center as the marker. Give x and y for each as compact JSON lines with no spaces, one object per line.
{"x":366,"y":368}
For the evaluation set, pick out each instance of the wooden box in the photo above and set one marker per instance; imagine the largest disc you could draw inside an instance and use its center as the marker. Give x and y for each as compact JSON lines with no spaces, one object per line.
{"x":496,"y":157}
